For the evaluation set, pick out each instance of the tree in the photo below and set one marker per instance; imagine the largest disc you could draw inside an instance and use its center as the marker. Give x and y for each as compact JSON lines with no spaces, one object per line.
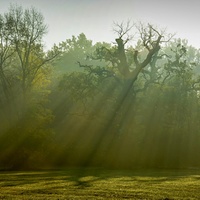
{"x":25,"y":71}
{"x":129,"y":68}
{"x":73,"y":50}
{"x":128,"y":64}
{"x":27,"y":28}
{"x":21,"y":51}
{"x":6,"y":77}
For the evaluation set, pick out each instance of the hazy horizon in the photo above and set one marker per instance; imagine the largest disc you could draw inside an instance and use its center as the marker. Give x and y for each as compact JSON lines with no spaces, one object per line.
{"x":95,"y":18}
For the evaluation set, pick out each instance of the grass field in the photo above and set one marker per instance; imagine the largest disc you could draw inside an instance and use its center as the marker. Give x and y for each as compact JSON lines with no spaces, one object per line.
{"x":101,"y":184}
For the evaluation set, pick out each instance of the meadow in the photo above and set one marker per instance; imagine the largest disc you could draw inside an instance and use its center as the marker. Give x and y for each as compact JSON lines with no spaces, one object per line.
{"x":100,"y":184}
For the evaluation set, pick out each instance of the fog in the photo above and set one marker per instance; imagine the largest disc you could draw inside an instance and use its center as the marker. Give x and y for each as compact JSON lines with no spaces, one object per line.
{"x":82,"y":103}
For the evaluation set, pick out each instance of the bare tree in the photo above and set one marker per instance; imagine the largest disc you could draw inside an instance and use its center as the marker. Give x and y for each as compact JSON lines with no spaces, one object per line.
{"x":151,"y":40}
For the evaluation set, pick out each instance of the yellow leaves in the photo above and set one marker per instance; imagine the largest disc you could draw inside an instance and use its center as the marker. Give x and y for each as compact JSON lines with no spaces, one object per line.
{"x":42,"y":79}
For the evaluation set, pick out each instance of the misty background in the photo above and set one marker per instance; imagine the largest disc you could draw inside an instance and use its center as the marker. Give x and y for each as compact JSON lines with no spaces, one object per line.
{"x":99,"y":84}
{"x":95,"y":17}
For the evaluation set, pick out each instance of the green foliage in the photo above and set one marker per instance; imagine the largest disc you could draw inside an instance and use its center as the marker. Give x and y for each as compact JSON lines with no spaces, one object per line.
{"x":73,"y":50}
{"x":100,"y":104}
{"x":156,"y":118}
{"x":25,"y":72}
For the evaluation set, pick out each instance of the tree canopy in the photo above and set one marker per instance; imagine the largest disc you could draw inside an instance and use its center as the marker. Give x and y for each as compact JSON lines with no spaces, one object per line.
{"x":122,"y":104}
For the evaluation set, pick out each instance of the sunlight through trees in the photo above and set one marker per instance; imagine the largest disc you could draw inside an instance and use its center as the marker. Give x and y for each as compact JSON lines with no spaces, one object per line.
{"x":132,"y":103}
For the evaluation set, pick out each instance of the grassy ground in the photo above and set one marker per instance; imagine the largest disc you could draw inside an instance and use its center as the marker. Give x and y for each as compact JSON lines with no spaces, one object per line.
{"x":101,"y":184}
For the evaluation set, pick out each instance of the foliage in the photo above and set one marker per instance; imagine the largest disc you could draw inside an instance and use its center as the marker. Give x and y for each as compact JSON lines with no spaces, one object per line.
{"x":25,"y":78}
{"x":114,"y":105}
{"x":155,"y":109}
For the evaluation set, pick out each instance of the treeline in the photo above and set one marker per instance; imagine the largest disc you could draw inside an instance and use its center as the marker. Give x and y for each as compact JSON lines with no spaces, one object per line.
{"x":113,"y":105}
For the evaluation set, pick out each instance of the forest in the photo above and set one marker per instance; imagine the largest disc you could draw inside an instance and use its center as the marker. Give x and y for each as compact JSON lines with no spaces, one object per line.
{"x":132,"y":103}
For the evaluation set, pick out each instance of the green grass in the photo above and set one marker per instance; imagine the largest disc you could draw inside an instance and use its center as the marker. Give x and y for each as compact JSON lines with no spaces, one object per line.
{"x":101,"y":184}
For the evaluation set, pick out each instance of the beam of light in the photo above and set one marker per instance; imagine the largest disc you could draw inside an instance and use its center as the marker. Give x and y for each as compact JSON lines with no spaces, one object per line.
{"x":80,"y":130}
{"x":98,"y":139}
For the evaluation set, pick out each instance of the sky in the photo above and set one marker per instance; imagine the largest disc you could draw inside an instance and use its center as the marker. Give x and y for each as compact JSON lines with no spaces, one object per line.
{"x":95,"y":18}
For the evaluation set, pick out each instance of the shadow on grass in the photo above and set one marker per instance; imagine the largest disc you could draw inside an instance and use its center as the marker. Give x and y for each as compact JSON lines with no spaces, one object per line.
{"x":101,"y":183}
{"x":75,"y":176}
{"x":85,"y":177}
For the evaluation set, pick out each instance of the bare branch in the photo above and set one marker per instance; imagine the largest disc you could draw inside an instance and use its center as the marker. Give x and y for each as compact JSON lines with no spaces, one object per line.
{"x":123,"y":29}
